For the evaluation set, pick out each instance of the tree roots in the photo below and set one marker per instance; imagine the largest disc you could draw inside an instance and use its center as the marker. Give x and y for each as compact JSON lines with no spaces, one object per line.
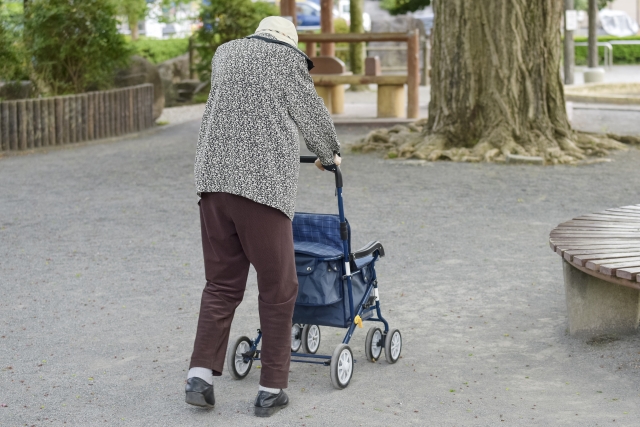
{"x":411,"y":141}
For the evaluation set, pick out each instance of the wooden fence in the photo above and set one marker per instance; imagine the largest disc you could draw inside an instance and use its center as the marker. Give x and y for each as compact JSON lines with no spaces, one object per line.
{"x":59,"y":120}
{"x":412,"y":39}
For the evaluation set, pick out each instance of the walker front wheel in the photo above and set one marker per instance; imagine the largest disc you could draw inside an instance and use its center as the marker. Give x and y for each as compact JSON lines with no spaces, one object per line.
{"x":296,"y":337}
{"x":393,"y":346}
{"x":311,"y":338}
{"x":373,"y":344}
{"x":341,"y":366}
{"x":239,"y":359}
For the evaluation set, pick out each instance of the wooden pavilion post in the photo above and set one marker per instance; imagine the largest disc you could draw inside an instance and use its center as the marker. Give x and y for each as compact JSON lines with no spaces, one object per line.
{"x":288,"y":8}
{"x":413,"y":75}
{"x":326,"y":26}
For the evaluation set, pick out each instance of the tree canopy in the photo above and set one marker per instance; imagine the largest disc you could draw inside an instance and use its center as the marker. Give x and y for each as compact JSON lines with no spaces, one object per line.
{"x":73,"y":46}
{"x":226,"y":20}
{"x":400,"y":7}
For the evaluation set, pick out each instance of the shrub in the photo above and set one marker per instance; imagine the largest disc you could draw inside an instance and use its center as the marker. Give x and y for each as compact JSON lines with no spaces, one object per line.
{"x":622,"y":54}
{"x":74,"y":45}
{"x":157,"y":51}
{"x":13,"y":64}
{"x":226,"y":20}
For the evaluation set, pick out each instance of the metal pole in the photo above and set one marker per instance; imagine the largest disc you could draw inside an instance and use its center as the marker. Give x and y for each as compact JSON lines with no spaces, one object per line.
{"x":326,"y":26}
{"x":593,"y":40}
{"x":569,"y":49}
{"x":426,"y":54}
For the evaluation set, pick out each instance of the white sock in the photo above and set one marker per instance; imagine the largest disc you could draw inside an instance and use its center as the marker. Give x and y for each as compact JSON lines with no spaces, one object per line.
{"x":203,"y":373}
{"x":270,"y":390}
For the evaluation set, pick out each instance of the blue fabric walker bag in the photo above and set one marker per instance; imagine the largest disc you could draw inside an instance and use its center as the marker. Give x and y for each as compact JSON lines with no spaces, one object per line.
{"x":322,"y":293}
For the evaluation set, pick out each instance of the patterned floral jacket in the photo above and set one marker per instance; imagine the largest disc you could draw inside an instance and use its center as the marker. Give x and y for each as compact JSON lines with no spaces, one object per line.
{"x":248,"y":143}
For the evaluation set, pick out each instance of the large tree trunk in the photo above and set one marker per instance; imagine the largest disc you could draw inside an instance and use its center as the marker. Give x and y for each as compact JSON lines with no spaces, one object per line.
{"x":496,"y":88}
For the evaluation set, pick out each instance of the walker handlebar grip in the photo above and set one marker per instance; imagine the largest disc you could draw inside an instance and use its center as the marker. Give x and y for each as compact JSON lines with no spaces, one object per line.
{"x":332,"y":168}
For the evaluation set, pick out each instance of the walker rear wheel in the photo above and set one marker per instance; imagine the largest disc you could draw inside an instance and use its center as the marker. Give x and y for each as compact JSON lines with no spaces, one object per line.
{"x":373,"y":344}
{"x":310,"y":338}
{"x":239,"y":365}
{"x":393,"y":346}
{"x":296,"y":337}
{"x":341,"y":366}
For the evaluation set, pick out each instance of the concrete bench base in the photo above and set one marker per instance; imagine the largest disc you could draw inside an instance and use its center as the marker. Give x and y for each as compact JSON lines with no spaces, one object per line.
{"x":391,"y":101}
{"x":333,"y":97}
{"x":598,"y":307}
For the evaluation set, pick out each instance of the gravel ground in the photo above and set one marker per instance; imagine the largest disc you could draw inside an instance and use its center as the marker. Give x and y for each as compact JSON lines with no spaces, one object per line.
{"x":101,"y":274}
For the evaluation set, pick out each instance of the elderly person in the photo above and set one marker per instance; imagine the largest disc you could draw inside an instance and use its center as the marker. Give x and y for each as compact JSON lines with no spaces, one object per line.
{"x":246,"y":173}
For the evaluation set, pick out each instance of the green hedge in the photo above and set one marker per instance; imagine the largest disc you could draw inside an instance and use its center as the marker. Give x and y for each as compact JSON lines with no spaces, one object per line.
{"x":159,"y":50}
{"x":622,"y":54}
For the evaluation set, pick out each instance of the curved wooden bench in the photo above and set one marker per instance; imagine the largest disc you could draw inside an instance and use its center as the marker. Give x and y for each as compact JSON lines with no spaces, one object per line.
{"x":598,"y":251}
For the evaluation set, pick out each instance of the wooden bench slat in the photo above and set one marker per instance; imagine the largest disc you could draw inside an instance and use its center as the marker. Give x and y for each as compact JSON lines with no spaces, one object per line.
{"x":605,"y":244}
{"x":604,"y":216}
{"x":636,"y":207}
{"x":624,"y":211}
{"x":621,"y":213}
{"x":353,"y":37}
{"x":333,"y":79}
{"x":587,"y":245}
{"x":568,"y":254}
{"x":595,"y":233}
{"x":601,"y":217}
{"x":619,"y":262}
{"x":629,"y":273}
{"x":599,"y":224}
{"x":612,"y":269}
{"x":581,"y":259}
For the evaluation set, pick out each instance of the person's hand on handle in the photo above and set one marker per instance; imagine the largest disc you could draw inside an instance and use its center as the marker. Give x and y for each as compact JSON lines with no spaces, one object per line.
{"x":336,"y":159}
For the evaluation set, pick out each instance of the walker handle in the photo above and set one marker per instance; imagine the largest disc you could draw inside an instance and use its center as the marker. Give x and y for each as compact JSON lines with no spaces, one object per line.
{"x":332,"y":168}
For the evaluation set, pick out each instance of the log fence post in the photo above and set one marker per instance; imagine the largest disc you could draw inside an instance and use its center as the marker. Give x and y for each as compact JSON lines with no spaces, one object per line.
{"x":29,"y":121}
{"x":100,"y":114}
{"x":4,"y":127}
{"x":51,"y":113}
{"x":35,"y":117}
{"x":59,"y":120}
{"x":85,"y":116}
{"x":44,"y":122}
{"x":22,"y":120}
{"x":129,"y":108}
{"x":13,"y":125}
{"x":78,"y":117}
{"x":73,"y":124}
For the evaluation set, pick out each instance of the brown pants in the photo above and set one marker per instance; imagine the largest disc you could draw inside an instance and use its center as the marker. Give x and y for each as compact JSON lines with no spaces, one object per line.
{"x":237,"y":232}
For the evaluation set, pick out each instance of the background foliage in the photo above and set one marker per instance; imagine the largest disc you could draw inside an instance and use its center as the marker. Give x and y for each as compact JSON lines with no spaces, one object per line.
{"x":157,"y":51}
{"x":400,"y":7}
{"x":13,"y":65}
{"x":622,"y":54}
{"x":584,"y":4}
{"x":226,"y":20}
{"x":74,"y":45}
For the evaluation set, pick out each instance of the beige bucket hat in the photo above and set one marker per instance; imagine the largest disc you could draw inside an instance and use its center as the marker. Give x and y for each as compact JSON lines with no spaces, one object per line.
{"x":280,"y":28}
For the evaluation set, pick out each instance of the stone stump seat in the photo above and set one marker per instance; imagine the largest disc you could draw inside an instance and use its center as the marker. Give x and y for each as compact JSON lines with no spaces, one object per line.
{"x":601,"y":264}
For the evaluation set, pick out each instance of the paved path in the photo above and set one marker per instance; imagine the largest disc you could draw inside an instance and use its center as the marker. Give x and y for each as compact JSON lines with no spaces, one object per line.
{"x":101,"y":274}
